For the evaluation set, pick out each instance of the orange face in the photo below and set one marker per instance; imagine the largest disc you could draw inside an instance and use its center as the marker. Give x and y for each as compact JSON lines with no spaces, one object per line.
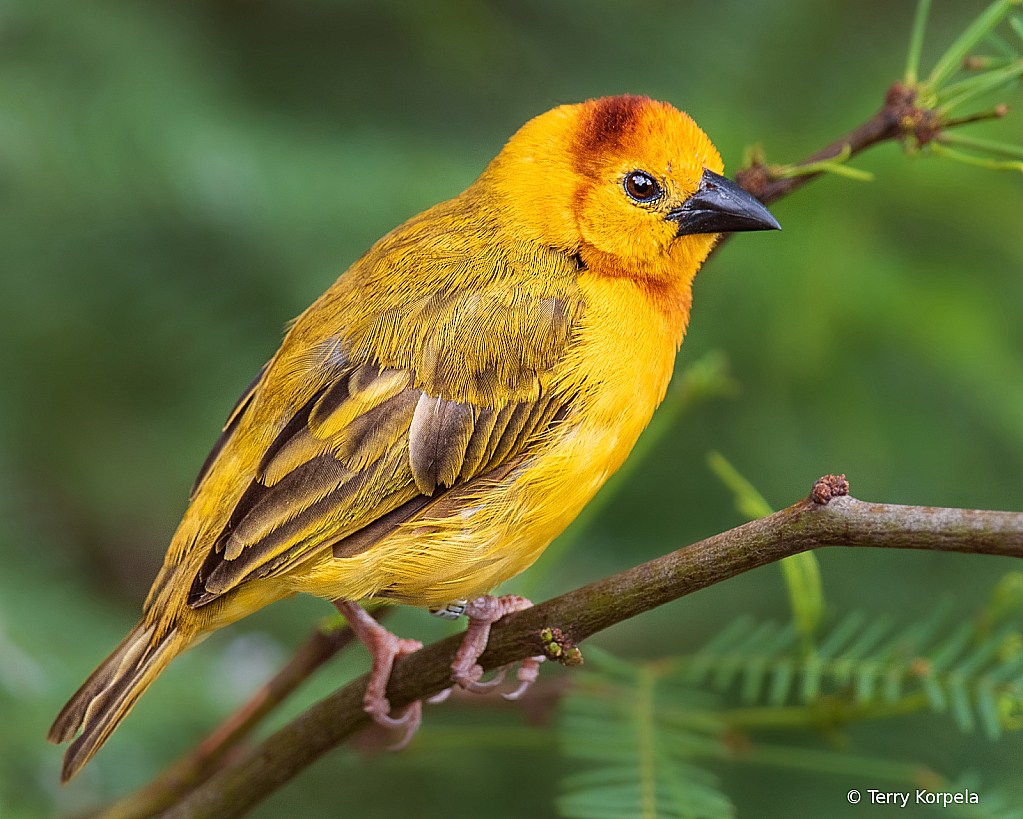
{"x":639,"y":160}
{"x":610,"y":177}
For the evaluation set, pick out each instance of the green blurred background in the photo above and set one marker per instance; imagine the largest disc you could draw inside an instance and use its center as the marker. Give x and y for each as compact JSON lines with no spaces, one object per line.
{"x":179,"y":179}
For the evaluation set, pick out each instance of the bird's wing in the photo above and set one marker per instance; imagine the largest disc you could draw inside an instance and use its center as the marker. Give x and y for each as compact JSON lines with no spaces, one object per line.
{"x":376,"y":444}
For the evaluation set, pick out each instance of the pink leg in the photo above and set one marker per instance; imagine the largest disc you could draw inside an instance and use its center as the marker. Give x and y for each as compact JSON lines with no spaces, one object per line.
{"x":482,"y":613}
{"x":385,"y":649}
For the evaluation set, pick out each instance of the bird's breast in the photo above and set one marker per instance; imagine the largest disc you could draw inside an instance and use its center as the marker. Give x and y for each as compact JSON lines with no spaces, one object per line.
{"x":617,"y":369}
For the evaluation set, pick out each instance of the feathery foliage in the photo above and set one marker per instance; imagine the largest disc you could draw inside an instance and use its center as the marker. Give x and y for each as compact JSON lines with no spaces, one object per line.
{"x":646,"y":728}
{"x":943,"y":93}
{"x":642,"y":732}
{"x":866,"y":668}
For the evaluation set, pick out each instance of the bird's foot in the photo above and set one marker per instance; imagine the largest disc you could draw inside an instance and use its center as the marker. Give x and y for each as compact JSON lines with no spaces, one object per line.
{"x":385,"y":648}
{"x":482,"y":613}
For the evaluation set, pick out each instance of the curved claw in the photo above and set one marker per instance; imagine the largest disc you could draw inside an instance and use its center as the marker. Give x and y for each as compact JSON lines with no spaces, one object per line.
{"x":437,"y":699}
{"x":483,"y":687}
{"x":518,"y":692}
{"x":527,"y":674}
{"x":387,"y":721}
{"x":411,"y":718}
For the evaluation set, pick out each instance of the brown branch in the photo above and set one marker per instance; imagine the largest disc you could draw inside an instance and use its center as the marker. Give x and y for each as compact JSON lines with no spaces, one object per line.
{"x":844,"y":521}
{"x":199,"y":764}
{"x":897,"y":118}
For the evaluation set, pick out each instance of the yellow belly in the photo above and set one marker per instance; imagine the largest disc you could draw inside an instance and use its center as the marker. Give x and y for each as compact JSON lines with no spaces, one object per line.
{"x":621,"y":367}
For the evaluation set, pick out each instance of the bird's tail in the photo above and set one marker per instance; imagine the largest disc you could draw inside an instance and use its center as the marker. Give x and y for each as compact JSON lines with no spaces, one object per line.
{"x":104,"y":699}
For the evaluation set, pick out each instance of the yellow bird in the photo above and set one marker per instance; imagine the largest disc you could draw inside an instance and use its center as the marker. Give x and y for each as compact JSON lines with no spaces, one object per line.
{"x":450,"y":404}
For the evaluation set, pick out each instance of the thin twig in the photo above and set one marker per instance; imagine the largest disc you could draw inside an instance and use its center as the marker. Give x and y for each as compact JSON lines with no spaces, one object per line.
{"x":897,"y":117}
{"x":890,"y":122}
{"x":844,"y":521}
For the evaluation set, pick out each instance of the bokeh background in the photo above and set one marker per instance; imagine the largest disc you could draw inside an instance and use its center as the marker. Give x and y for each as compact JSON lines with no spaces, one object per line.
{"x":179,"y":179}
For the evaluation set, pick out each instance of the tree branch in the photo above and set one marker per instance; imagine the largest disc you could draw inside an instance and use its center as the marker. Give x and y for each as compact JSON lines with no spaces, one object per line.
{"x":842,"y":521}
{"x":898,"y":117}
{"x":889,"y":122}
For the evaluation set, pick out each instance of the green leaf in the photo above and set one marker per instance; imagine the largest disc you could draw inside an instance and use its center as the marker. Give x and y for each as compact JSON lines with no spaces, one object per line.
{"x":781,"y":681}
{"x":841,"y":634}
{"x":987,"y":708}
{"x":756,"y":668}
{"x":987,"y":82}
{"x":801,"y":572}
{"x":952,"y":59}
{"x":951,"y":648}
{"x":748,"y":501}
{"x":916,"y":41}
{"x":969,"y":159}
{"x":1001,"y":46}
{"x":962,"y":711}
{"x":644,"y":748}
{"x":704,"y":661}
{"x":993,"y":147}
{"x":835,"y":165}
{"x":1016,"y":22}
{"x":731,"y":663}
{"x":813,"y":670}
{"x":802,"y":575}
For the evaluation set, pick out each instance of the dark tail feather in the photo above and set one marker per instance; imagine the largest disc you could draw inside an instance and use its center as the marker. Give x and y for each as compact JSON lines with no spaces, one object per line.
{"x":110,"y":692}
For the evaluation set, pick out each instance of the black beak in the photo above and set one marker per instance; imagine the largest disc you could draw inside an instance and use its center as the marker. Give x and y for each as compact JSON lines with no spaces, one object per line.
{"x":721,"y":206}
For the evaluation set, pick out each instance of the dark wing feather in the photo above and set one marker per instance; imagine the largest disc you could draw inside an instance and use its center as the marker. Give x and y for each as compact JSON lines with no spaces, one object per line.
{"x":438,"y":437}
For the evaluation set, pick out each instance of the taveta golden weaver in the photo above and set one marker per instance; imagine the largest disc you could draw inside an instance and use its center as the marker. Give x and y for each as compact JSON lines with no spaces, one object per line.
{"x":450,"y":404}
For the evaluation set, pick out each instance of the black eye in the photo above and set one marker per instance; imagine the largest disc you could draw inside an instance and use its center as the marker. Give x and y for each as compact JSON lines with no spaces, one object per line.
{"x":642,"y":187}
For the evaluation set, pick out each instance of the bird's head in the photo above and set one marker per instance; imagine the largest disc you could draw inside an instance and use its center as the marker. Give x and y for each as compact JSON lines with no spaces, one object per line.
{"x":627,"y":179}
